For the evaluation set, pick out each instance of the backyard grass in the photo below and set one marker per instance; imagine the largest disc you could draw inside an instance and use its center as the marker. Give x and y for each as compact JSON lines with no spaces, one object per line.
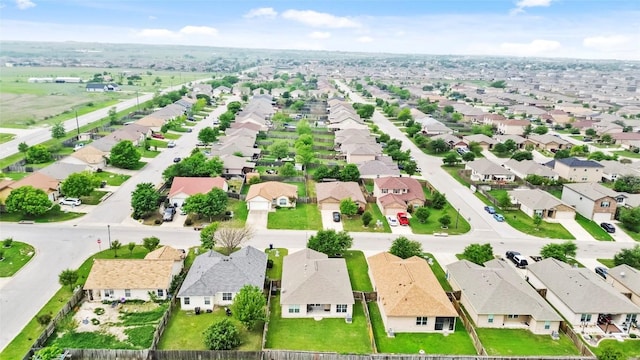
{"x":607,"y":262}
{"x":438,"y":272}
{"x":453,"y":171}
{"x":276,"y":255}
{"x":303,"y":217}
{"x":185,"y":331}
{"x":556,"y":193}
{"x":4,"y":137}
{"x":240,"y":211}
{"x":93,"y":198}
{"x":15,"y":257}
{"x":629,"y":154}
{"x":55,"y":214}
{"x":521,"y":342}
{"x":328,"y":334}
{"x":358,"y":270}
{"x":593,"y":228}
{"x":355,"y":222}
{"x":630,"y":348}
{"x":456,"y":343}
{"x":112,"y":179}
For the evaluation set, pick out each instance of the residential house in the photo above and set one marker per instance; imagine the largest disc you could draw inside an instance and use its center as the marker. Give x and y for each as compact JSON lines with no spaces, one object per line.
{"x":330,"y":194}
{"x":560,"y":117}
{"x":314,"y":285}
{"x":236,"y":165}
{"x":580,"y":295}
{"x":453,"y":141}
{"x":183,"y":187}
{"x":88,"y":155}
{"x":271,"y":194}
{"x":511,"y":126}
{"x":548,"y":142}
{"x":481,"y":139}
{"x":382,"y":166}
{"x":496,"y":296}
{"x":134,"y":279}
{"x":519,"y":140}
{"x":168,"y":253}
{"x":536,"y":202}
{"x":215,"y":279}
{"x":610,"y":128}
{"x":487,"y":171}
{"x":626,"y":280}
{"x":396,"y":194}
{"x":409,"y":296}
{"x":524,"y":168}
{"x":37,"y":180}
{"x":101,"y":87}
{"x":431,"y":126}
{"x":577,"y":170}
{"x":359,"y":153}
{"x":613,"y":169}
{"x":592,"y":200}
{"x":60,"y":170}
{"x":627,"y":140}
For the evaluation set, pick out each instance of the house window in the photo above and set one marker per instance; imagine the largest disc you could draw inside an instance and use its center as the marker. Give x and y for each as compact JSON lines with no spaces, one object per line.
{"x":605,"y":204}
{"x":294,"y":309}
{"x":512,"y":316}
{"x":631,"y":318}
{"x":585,"y":317}
{"x":127,"y":292}
{"x":160,"y":293}
{"x":490,"y":318}
{"x":547,"y":325}
{"x":584,"y":178}
{"x":108,"y":292}
{"x":396,"y":191}
{"x":207,"y":300}
{"x":341,"y":308}
{"x":282,"y":201}
{"x":186,"y":301}
{"x":421,"y":320}
{"x":385,"y":191}
{"x":620,"y":200}
{"x":226,"y":296}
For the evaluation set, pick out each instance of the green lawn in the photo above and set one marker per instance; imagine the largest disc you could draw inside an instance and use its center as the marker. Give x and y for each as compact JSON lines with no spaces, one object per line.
{"x":153,"y":143}
{"x":325,"y":335}
{"x":456,"y":343}
{"x":358,"y":270}
{"x":439,"y":272}
{"x":303,"y":217}
{"x":239,"y":209}
{"x":55,"y":214}
{"x":593,"y":228}
{"x":453,"y":171}
{"x":634,"y":235}
{"x":14,"y":175}
{"x":302,"y":190}
{"x":185,"y":331}
{"x":172,"y":136}
{"x":521,"y":342}
{"x":459,"y":224}
{"x":630,"y":348}
{"x":355,"y":222}
{"x":607,"y":262}
{"x":4,"y":137}
{"x":15,"y":257}
{"x":627,"y":153}
{"x":112,"y":179}
{"x":148,"y":153}
{"x":93,"y":198}
{"x":275,"y":273}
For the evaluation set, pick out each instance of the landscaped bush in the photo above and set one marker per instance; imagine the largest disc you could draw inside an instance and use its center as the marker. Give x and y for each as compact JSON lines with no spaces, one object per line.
{"x":98,"y":311}
{"x":44,"y":319}
{"x":188,"y":222}
{"x":95,"y":321}
{"x":7,"y":242}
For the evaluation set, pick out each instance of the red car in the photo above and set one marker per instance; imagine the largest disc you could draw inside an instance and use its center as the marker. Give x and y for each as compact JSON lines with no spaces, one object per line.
{"x":403,"y":219}
{"x":157,"y":135}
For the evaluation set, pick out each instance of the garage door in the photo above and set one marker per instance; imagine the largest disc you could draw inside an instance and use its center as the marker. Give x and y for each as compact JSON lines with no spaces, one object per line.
{"x":259,"y":205}
{"x":565,"y":215}
{"x":330,"y":206}
{"x":600,"y":217}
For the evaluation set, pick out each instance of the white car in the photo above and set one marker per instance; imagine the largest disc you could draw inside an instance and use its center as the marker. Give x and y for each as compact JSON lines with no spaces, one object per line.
{"x":392,"y":220}
{"x":70,"y":201}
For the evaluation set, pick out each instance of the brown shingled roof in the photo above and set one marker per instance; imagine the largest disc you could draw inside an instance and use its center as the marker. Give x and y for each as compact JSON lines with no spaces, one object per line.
{"x":272,"y":189}
{"x":129,"y":274}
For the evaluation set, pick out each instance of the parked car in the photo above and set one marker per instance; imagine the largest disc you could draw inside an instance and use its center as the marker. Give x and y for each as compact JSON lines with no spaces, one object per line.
{"x":171,"y":144}
{"x":70,"y":201}
{"x":392,"y":221}
{"x":498,"y":217}
{"x":490,"y":209}
{"x":403,"y":219}
{"x":176,"y":159}
{"x":520,"y":261}
{"x":157,"y":135}
{"x":169,"y":213}
{"x":78,"y":147}
{"x":608,"y":227}
{"x":336,"y":216}
{"x":601,"y":271}
{"x":510,"y":254}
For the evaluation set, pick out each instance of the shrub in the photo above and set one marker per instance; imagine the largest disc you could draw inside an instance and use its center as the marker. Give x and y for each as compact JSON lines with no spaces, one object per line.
{"x":222,"y":335}
{"x":188,"y":222}
{"x":269,"y":264}
{"x":98,"y":311}
{"x":157,"y":221}
{"x":95,"y":321}
{"x":7,"y":242}
{"x":44,"y":319}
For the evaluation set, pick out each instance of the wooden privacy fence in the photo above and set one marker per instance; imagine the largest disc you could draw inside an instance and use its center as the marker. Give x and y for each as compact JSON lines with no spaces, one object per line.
{"x":477,"y":344}
{"x":575,"y":338}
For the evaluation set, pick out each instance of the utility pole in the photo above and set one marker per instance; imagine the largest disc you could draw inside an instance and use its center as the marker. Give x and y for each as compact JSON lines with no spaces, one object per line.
{"x":109,"y":233}
{"x":77,"y":124}
{"x":457,"y":216}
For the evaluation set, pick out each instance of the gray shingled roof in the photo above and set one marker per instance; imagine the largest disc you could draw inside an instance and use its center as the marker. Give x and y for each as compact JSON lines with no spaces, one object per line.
{"x":498,"y":289}
{"x":627,"y":276}
{"x":213,"y":272}
{"x":535,"y":199}
{"x":575,"y":162}
{"x":580,"y":289}
{"x":592,"y":191}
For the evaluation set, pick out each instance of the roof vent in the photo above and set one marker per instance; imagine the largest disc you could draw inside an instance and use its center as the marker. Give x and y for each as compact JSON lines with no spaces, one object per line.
{"x":622,"y":274}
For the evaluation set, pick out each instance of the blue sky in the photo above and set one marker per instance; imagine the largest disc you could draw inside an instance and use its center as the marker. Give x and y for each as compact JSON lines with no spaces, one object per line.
{"x":593,"y":29}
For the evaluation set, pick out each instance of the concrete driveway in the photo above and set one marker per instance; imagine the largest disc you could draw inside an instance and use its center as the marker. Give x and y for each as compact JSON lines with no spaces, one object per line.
{"x":620,"y":235}
{"x":576,"y":230}
{"x":401,"y":230}
{"x":327,"y":221}
{"x":258,"y":219}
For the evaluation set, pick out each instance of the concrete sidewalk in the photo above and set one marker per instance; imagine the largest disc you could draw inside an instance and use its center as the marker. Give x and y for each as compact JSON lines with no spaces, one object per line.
{"x":576,"y":230}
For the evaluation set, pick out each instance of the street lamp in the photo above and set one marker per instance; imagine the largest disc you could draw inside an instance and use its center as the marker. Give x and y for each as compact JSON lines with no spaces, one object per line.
{"x":457,"y":216}
{"x":109,"y":233}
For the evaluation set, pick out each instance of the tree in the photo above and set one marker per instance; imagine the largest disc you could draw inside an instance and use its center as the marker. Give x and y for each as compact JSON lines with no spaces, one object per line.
{"x":115,"y":246}
{"x":451,"y":159}
{"x":468,"y":156}
{"x":504,"y":201}
{"x":590,"y":132}
{"x":606,"y":139}
{"x":52,"y":352}
{"x":68,"y":277}
{"x":560,"y":252}
{"x":366,"y":218}
{"x":23,"y":147}
{"x":150,"y":243}
{"x":527,"y":130}
{"x":562,"y":154}
{"x":38,"y":154}
{"x":210,"y":204}
{"x":537,"y":221}
{"x":445,"y":220}
{"x":500,"y":148}
{"x":79,"y":184}
{"x":477,"y":253}
{"x":305,"y":154}
{"x":630,"y":218}
{"x":330,"y":242}
{"x":510,"y":145}
{"x":28,"y":201}
{"x":410,"y":167}
{"x":249,"y":306}
{"x":350,"y":173}
{"x":541,"y":130}
{"x":230,"y":235}
{"x":630,"y":257}
{"x":404,"y":115}
{"x":287,"y":169}
{"x":405,"y":248}
{"x":422,"y":214}
{"x":303,"y":127}
{"x":207,"y":236}
{"x":57,"y":131}
{"x":439,"y":200}
{"x":627,"y":183}
{"x":144,"y":199}
{"x":113,"y":115}
{"x":208,"y":135}
{"x":348,"y":207}
{"x":131,"y":246}
{"x":222,"y":335}
{"x":279,"y":149}
{"x":234,"y":106}
{"x":124,"y":155}
{"x":438,"y":146}
{"x":366,"y":111}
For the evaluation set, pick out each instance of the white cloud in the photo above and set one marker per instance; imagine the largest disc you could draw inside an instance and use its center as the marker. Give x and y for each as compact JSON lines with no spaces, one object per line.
{"x":533,"y":48}
{"x":320,"y":35}
{"x":605,"y":42}
{"x":199,"y":30}
{"x":261,"y":12}
{"x":317,"y":19}
{"x":364,"y":39}
{"x":24,"y":4}
{"x":156,"y":33}
{"x":522,"y":4}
